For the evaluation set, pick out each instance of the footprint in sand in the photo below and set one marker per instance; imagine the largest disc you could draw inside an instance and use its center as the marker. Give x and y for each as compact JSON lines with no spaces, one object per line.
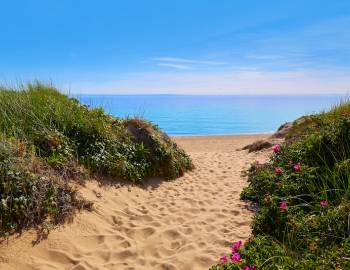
{"x":183,"y":224}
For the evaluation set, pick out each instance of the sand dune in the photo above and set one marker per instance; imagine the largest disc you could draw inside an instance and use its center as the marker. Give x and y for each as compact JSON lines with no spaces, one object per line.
{"x":185,"y":224}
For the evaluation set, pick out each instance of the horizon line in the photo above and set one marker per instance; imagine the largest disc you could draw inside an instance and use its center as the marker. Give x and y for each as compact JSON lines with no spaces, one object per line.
{"x":204,"y":94}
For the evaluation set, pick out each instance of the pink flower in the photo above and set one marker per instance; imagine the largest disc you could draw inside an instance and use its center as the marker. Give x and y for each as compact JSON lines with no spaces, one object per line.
{"x":323,"y":202}
{"x":279,"y":170}
{"x":224,"y":259}
{"x":236,"y":246}
{"x":344,"y":114}
{"x":283,"y":205}
{"x":290,"y":162}
{"x":296,"y":168}
{"x":259,"y":164}
{"x":236,"y":257}
{"x":247,"y":267}
{"x":277,"y":148}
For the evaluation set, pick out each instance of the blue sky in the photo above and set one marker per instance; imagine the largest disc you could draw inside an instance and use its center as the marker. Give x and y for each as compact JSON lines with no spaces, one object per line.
{"x":182,"y":46}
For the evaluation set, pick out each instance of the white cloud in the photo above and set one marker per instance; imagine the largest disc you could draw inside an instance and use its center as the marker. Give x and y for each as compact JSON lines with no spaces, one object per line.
{"x":266,"y":56}
{"x":248,"y":68}
{"x":187,"y":61}
{"x":176,"y":66}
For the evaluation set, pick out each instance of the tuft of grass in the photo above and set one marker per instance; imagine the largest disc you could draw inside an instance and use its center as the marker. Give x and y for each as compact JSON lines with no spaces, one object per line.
{"x":303,"y":198}
{"x":48,"y":138}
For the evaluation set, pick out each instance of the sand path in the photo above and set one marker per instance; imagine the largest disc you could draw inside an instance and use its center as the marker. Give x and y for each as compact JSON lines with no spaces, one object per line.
{"x":185,"y":224}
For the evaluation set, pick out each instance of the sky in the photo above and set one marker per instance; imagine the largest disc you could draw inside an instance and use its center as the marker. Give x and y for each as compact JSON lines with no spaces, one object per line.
{"x":178,"y":47}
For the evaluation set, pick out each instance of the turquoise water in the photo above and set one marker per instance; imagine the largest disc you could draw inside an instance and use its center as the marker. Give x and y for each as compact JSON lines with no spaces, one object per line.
{"x":212,"y":115}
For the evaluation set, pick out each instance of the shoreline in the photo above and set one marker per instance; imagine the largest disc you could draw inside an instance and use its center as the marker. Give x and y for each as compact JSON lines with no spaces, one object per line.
{"x":222,"y":135}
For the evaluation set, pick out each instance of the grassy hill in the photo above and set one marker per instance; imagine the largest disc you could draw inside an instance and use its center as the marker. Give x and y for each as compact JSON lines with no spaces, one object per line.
{"x":303,"y":198}
{"x":48,"y":139}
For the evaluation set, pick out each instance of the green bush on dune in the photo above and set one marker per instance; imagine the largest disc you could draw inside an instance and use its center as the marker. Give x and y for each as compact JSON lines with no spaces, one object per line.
{"x":31,"y":192}
{"x":303,"y":199}
{"x":48,"y":138}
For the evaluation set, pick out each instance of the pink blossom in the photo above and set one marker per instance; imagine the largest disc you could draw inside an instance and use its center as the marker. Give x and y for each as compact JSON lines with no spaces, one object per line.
{"x":279,"y":170}
{"x":296,"y":168}
{"x":323,"y":202}
{"x":236,"y":257}
{"x":224,"y":259}
{"x":344,"y":114}
{"x":247,"y":267}
{"x":290,"y":162}
{"x":259,"y":164}
{"x":277,"y":148}
{"x":236,"y":246}
{"x":283,"y":205}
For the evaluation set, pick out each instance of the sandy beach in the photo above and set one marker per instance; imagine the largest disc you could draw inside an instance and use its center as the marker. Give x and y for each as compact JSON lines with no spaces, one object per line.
{"x":184,"y":224}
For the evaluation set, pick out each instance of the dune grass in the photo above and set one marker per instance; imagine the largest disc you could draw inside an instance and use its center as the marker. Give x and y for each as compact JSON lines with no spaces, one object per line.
{"x":303,"y":199}
{"x":47,"y":139}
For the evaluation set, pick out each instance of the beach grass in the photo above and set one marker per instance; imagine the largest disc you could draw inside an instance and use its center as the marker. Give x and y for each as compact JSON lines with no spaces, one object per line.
{"x":48,"y":139}
{"x":303,"y":198}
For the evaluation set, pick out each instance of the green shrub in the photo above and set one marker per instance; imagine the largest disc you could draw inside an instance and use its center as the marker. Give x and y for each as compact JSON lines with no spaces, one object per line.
{"x":61,"y":129}
{"x":303,"y":198}
{"x":264,"y":252}
{"x":29,"y":192}
{"x":48,"y":139}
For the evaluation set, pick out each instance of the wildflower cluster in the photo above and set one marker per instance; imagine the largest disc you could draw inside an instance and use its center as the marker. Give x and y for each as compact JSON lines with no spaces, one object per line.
{"x":234,"y":260}
{"x":302,"y":194}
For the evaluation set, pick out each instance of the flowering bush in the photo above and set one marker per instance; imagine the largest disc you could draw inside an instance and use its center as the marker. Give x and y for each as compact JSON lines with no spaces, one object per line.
{"x":234,"y":260}
{"x":303,"y":199}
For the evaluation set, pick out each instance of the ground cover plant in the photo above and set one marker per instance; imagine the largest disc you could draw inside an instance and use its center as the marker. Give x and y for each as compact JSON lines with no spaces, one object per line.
{"x":47,"y":139}
{"x":303,"y":199}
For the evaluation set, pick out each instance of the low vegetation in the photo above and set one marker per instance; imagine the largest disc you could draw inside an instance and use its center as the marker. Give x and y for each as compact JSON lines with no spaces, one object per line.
{"x":47,"y":139}
{"x":303,"y":198}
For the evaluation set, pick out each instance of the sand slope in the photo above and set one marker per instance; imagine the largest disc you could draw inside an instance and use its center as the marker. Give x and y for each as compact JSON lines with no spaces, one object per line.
{"x":183,"y":224}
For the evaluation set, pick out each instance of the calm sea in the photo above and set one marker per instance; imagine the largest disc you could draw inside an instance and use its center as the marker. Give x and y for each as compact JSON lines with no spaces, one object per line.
{"x":212,"y":115}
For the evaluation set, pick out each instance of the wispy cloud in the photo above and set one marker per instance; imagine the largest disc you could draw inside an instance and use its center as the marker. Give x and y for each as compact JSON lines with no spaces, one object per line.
{"x":320,"y":44}
{"x":225,"y":82}
{"x":171,"y":65}
{"x":187,"y":61}
{"x":248,"y":68}
{"x":266,"y":56}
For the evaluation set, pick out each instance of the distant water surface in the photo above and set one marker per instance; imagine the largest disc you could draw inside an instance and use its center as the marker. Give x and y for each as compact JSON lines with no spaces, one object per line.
{"x":212,"y":115}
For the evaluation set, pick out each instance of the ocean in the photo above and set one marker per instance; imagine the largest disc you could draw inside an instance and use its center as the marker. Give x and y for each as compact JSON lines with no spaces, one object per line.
{"x":212,"y":115}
